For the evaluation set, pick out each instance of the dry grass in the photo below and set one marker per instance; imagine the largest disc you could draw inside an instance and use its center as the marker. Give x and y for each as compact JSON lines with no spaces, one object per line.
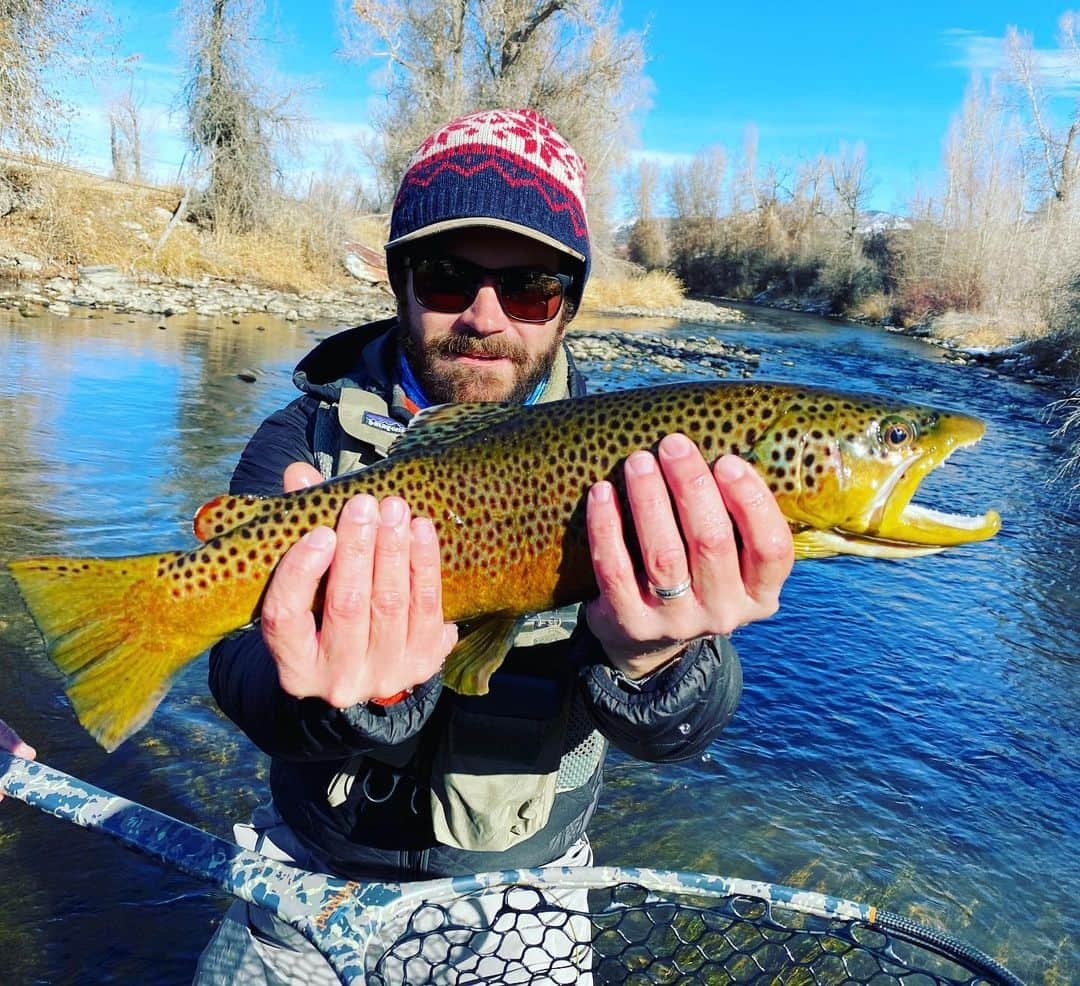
{"x":75,"y":219}
{"x":873,"y":308}
{"x":974,"y":330}
{"x":655,"y":289}
{"x":1067,"y":411}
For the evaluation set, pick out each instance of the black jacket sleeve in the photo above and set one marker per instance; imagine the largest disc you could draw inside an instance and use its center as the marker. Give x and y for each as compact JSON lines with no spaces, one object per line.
{"x":243,"y":678}
{"x":674,"y":715}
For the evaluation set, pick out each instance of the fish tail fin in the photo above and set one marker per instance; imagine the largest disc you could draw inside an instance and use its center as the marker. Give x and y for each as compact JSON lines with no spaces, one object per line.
{"x":100,"y":618}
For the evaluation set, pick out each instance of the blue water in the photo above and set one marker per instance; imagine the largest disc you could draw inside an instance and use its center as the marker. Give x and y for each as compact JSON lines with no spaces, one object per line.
{"x":908,"y":730}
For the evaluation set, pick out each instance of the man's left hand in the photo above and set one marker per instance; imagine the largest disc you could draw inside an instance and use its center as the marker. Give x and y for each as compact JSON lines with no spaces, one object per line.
{"x":731,"y":581}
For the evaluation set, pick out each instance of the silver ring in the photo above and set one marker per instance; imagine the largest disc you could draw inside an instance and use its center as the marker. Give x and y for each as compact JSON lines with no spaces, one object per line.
{"x":674,"y":592}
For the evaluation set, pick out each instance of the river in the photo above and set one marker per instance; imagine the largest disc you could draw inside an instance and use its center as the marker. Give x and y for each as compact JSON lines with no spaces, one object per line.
{"x":908,"y":734}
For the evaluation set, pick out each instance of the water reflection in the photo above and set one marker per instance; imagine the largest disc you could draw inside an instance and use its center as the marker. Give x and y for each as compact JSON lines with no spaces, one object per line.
{"x":908,"y":733}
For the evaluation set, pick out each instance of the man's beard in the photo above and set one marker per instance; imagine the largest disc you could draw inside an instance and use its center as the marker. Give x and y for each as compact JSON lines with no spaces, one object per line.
{"x":445,"y":382}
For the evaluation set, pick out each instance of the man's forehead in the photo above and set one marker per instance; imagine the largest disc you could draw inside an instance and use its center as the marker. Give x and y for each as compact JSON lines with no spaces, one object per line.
{"x":491,"y":247}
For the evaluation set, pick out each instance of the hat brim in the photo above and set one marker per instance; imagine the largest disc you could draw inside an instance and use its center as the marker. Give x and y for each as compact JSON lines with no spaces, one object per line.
{"x":474,"y":222}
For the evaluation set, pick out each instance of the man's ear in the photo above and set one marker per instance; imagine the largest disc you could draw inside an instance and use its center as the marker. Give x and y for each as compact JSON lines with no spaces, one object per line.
{"x":399,"y":279}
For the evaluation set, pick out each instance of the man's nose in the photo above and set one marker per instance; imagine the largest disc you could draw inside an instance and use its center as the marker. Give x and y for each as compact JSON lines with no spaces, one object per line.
{"x":485,"y":315}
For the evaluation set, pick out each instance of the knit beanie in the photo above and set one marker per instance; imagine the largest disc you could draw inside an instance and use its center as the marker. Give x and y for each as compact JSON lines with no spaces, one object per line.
{"x":508,"y":169}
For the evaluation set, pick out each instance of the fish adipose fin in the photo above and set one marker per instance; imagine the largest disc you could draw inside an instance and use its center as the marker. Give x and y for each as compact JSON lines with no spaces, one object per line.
{"x":97,"y":617}
{"x":479,"y":653}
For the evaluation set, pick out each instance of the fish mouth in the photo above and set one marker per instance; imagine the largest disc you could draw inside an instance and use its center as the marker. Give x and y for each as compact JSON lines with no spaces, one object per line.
{"x":897,"y":527}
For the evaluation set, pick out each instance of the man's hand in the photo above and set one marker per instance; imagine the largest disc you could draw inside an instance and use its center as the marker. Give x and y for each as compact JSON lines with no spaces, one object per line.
{"x":730,"y":584}
{"x":10,"y":741}
{"x":382,"y":629}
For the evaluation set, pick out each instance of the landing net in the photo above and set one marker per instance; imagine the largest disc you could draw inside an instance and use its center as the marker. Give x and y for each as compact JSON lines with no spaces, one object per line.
{"x":637,"y":934}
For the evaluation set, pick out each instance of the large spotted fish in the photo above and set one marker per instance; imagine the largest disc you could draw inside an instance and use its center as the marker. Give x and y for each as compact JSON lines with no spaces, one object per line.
{"x":505,"y":486}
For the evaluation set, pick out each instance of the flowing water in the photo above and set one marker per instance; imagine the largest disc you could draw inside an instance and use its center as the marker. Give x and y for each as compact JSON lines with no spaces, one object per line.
{"x":907,"y":735}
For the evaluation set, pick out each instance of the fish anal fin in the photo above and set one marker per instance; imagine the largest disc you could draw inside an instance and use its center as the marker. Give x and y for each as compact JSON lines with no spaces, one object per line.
{"x":223,"y":513}
{"x":479,"y":653}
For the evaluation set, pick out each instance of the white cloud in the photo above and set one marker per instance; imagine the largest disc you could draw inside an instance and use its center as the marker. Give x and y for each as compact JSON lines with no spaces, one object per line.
{"x":1057,"y":68}
{"x":666,"y":159}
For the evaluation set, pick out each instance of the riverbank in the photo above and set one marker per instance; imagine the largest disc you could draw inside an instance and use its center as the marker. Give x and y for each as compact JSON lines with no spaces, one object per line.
{"x":107,"y":288}
{"x":970,"y":338}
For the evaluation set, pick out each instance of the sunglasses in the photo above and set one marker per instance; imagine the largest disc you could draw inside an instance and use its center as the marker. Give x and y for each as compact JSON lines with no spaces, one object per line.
{"x":449,"y":285}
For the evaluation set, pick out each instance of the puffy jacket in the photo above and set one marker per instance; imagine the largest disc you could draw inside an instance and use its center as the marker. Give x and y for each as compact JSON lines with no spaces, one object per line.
{"x":355,"y":784}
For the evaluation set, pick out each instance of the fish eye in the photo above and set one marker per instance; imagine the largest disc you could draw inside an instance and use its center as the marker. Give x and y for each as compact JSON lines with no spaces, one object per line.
{"x":897,"y":433}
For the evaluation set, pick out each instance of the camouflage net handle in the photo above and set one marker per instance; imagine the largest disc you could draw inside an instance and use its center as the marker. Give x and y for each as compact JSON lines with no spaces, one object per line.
{"x":594,"y":925}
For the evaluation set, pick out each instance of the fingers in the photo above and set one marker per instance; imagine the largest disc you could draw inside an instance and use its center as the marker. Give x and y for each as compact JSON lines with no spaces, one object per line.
{"x":13,"y":743}
{"x":286,"y":619}
{"x":347,"y":608}
{"x":390,"y":591}
{"x":10,"y":741}
{"x":706,"y":525}
{"x":662,"y":550}
{"x":381,"y":630}
{"x":301,"y":475}
{"x":612,"y":564}
{"x":428,"y":634}
{"x":690,"y":521}
{"x":768,"y":553}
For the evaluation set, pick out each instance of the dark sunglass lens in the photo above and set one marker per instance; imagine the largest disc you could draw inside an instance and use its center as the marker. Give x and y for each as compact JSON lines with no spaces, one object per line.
{"x":531,"y":296}
{"x":442,"y":286}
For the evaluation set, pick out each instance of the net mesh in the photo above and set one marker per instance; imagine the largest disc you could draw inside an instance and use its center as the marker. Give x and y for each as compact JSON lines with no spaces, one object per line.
{"x":629,"y":934}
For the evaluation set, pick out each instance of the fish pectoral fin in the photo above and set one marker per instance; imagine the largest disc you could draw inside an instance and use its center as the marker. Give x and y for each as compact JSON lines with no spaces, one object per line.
{"x":479,"y":653}
{"x":812,"y":543}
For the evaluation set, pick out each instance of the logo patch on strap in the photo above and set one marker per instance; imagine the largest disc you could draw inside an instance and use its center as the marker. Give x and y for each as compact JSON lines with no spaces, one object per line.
{"x":383,"y":423}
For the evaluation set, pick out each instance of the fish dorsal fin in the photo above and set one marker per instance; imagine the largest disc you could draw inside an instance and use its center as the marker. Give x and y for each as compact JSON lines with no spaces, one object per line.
{"x":436,"y":428}
{"x":225,"y":512}
{"x":479,"y":653}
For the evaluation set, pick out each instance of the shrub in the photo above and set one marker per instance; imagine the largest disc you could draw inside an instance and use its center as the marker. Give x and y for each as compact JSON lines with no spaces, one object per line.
{"x":918,"y":301}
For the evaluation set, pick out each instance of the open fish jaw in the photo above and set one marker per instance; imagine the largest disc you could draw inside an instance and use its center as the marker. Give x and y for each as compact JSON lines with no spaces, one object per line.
{"x":900,"y":521}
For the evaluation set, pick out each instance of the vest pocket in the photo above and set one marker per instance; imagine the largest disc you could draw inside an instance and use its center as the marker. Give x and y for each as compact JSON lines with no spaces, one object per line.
{"x":494,"y":772}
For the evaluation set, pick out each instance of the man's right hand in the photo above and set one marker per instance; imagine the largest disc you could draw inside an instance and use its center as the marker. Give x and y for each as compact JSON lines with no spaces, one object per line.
{"x":381,"y":630}
{"x":12,"y":743}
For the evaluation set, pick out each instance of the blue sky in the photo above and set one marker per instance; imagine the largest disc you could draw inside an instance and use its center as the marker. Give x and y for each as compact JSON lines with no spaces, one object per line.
{"x":809,"y":77}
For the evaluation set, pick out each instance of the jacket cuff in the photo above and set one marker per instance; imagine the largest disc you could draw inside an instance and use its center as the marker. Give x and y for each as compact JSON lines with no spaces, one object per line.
{"x":388,"y":725}
{"x":677,"y":712}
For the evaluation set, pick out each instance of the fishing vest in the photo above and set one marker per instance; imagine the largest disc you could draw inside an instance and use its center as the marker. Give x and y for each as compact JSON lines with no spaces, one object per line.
{"x":484,"y":796}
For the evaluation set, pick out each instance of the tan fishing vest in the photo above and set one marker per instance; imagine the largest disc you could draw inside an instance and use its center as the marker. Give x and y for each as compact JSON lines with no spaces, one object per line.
{"x":483,"y":805}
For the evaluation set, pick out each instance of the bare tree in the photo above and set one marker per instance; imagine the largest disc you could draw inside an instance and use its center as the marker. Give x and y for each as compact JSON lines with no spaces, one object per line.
{"x":697,"y":187}
{"x":36,"y":36}
{"x":1054,"y":145}
{"x":647,"y":244}
{"x":851,"y":188}
{"x":125,"y":130}
{"x":236,"y":125}
{"x":696,"y":193}
{"x":565,"y":58}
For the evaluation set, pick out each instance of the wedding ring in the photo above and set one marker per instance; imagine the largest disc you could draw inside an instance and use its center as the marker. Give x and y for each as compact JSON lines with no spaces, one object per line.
{"x":663,"y":593}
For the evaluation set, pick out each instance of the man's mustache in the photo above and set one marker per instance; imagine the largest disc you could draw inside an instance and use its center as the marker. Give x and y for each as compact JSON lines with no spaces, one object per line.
{"x":491,"y":347}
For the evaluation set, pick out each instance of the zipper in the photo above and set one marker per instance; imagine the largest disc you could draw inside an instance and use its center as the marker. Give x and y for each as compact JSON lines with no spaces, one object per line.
{"x":414,"y":862}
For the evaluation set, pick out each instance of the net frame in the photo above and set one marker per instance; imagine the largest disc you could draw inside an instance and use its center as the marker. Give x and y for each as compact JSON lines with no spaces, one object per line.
{"x":580,"y":925}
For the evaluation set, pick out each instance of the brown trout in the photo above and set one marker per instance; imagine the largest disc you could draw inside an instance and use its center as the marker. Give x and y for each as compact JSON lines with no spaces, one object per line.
{"x":506,"y":487}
